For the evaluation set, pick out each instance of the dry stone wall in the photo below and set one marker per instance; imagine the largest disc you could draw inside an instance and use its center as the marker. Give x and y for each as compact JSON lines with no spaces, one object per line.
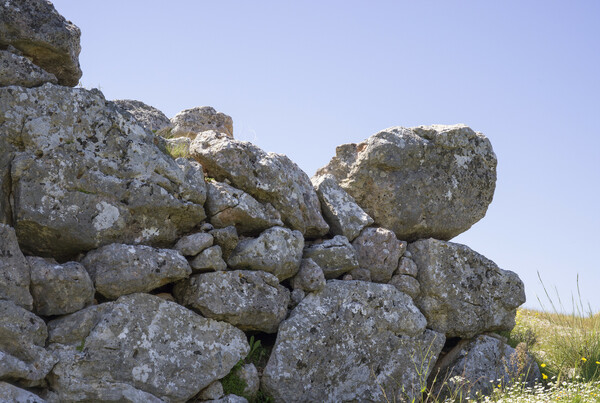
{"x":143,"y":259}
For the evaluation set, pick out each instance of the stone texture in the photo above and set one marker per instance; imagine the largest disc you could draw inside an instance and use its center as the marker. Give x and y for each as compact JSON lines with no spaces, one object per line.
{"x":14,"y":270}
{"x":226,"y":205}
{"x":407,"y":266}
{"x":249,"y":374}
{"x":340,"y":210}
{"x":86,"y":176}
{"x":462,"y":292}
{"x":39,"y":32}
{"x":378,"y":250}
{"x":230,"y":399}
{"x":361,"y":274}
{"x":277,"y":251}
{"x":210,"y":259}
{"x":190,"y":122}
{"x":119,"y":269}
{"x":10,"y":393}
{"x":250,"y":300}
{"x":22,"y":339}
{"x":309,"y":278}
{"x":334,"y":256}
{"x":140,"y":345}
{"x":19,"y":70}
{"x":212,"y":391}
{"x":227,"y":238}
{"x":348,"y":342}
{"x":59,"y":289}
{"x":146,"y":116}
{"x":268,"y":177}
{"x":428,"y":181}
{"x":407,"y":284}
{"x":191,"y":245}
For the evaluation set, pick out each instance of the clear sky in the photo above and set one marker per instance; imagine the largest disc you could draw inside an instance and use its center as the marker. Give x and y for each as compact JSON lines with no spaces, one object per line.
{"x":301,"y":77}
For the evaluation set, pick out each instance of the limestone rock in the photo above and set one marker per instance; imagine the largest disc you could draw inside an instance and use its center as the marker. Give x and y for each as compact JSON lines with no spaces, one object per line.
{"x":210,"y":259}
{"x":277,"y":251}
{"x":86,"y":175}
{"x":142,"y":345}
{"x":408,"y":267}
{"x":190,"y":122}
{"x":407,"y":284}
{"x":146,"y":116}
{"x":39,"y":32}
{"x":309,"y":278}
{"x":14,"y":270}
{"x":296,"y":297}
{"x":250,"y":300}
{"x":191,"y":245}
{"x":212,"y":391}
{"x":379,"y":251}
{"x":334,"y":256}
{"x":361,"y":274}
{"x":10,"y":393}
{"x":19,"y":70}
{"x":348,"y":342}
{"x":249,"y":374}
{"x":227,"y":238}
{"x":22,"y":339}
{"x":462,"y":292}
{"x":268,"y":177}
{"x":230,"y":399}
{"x":119,"y":269}
{"x":59,"y":289}
{"x":340,"y":210}
{"x":427,"y":181}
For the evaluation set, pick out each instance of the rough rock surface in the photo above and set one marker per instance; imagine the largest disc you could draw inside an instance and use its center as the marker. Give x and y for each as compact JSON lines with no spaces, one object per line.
{"x":334,"y":256}
{"x":249,"y":374}
{"x":212,"y":391}
{"x":340,"y":210}
{"x":268,"y":177}
{"x":145,"y":115}
{"x":462,"y":292}
{"x":10,"y":393}
{"x":378,"y":250}
{"x":408,"y":267}
{"x":58,"y":289}
{"x":14,"y":270}
{"x":22,"y":339}
{"x":227,"y":238}
{"x":309,"y":278}
{"x":190,"y":122}
{"x":428,"y":181}
{"x":191,"y":245}
{"x":139,"y":346}
{"x":277,"y":251}
{"x":226,"y":205}
{"x":250,"y":300}
{"x":407,"y":284}
{"x":39,"y":32}
{"x":210,"y":259}
{"x":119,"y":269}
{"x":348,"y":342}
{"x":19,"y":70}
{"x":85,"y":176}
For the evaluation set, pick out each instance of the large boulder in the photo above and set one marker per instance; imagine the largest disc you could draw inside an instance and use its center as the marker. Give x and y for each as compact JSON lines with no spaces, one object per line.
{"x":119,"y":269}
{"x":14,"y":270}
{"x":462,"y":293}
{"x":250,"y":300}
{"x":140,"y":346}
{"x":85,"y":175}
{"x":145,"y":115}
{"x":38,"y":31}
{"x":379,"y":251}
{"x":191,"y":122}
{"x":334,"y":256}
{"x":428,"y":181}
{"x":268,"y":177}
{"x":19,"y":70}
{"x":353,"y":341}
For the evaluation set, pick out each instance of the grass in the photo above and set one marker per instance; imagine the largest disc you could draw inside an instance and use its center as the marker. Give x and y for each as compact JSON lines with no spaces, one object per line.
{"x":178,"y":150}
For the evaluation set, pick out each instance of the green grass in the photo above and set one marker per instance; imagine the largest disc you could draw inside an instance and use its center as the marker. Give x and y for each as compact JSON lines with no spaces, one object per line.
{"x":178,"y":150}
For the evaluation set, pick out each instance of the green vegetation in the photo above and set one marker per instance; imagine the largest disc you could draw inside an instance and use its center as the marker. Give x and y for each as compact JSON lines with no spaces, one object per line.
{"x":178,"y":150}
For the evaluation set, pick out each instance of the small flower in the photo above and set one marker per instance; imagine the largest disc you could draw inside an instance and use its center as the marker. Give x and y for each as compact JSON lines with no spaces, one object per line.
{"x":598,"y":362}
{"x":543,"y":365}
{"x":544,"y":376}
{"x":583,"y":359}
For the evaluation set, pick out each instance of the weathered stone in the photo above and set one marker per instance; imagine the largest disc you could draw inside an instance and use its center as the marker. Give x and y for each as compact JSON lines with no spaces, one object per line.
{"x":378,"y":250}
{"x":229,"y":399}
{"x":250,"y":300}
{"x":334,"y":256}
{"x":277,"y":251}
{"x":227,"y":239}
{"x":407,"y":266}
{"x":191,"y":245}
{"x":226,"y":205}
{"x":309,"y":278}
{"x":249,"y":374}
{"x":119,"y":269}
{"x":86,"y":176}
{"x":407,"y":284}
{"x":190,"y":122}
{"x":212,"y":391}
{"x":141,"y":344}
{"x":19,"y":70}
{"x":14,"y":270}
{"x":22,"y":339}
{"x":210,"y":259}
{"x":428,"y":181}
{"x":178,"y":147}
{"x":296,"y":297}
{"x":475,"y":366}
{"x":58,"y":289}
{"x":340,"y":210}
{"x":10,"y":393}
{"x":361,"y":274}
{"x":146,"y":116}
{"x":462,"y":292}
{"x":39,"y":32}
{"x":351,"y":342}
{"x":268,"y":177}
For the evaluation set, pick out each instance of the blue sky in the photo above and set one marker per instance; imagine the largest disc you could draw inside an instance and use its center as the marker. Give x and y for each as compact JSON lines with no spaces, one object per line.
{"x":300,"y":78}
